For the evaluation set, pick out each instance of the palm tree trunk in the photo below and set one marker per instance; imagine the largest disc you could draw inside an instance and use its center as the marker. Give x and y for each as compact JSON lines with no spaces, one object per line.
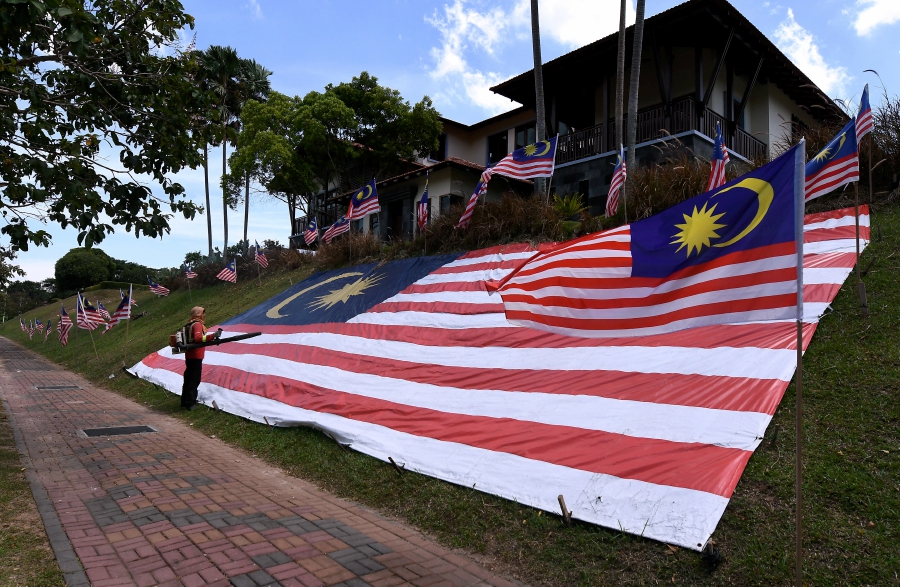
{"x":206,"y":181}
{"x":634,"y":83}
{"x":540,"y":123}
{"x":246,"y":209}
{"x":620,"y":95}
{"x":224,"y":193}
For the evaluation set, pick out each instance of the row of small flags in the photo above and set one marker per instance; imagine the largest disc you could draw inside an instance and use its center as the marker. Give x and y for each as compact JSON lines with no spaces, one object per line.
{"x":88,"y":317}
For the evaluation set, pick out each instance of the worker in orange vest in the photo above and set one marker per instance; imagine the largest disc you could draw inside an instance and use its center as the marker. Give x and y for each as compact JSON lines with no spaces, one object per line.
{"x":193,"y":358}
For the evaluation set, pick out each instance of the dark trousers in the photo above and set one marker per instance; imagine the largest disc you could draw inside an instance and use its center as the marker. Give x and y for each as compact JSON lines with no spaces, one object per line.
{"x":192,"y":371}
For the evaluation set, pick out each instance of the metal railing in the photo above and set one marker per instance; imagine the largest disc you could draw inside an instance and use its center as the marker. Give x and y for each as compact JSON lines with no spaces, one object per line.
{"x":656,"y":122}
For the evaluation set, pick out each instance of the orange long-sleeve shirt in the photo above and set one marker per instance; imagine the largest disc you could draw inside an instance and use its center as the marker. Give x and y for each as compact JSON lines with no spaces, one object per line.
{"x":198,"y":334}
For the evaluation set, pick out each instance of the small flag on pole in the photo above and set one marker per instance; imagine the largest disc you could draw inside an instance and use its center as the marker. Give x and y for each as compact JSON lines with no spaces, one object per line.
{"x":615,"y":186}
{"x":312,"y":232}
{"x":30,"y":330}
{"x":103,"y":311}
{"x":133,"y":303}
{"x":22,"y":325}
{"x":39,"y":326}
{"x":229,"y":273}
{"x":49,"y":329}
{"x":480,"y":190}
{"x":422,"y":208}
{"x":123,"y":312}
{"x":157,"y":288}
{"x":835,"y":165}
{"x":259,"y":257}
{"x":864,"y":122}
{"x":363,"y":202}
{"x":338,"y":228}
{"x":188,"y":273}
{"x":63,"y":326}
{"x":718,"y":161}
{"x":81,"y":316}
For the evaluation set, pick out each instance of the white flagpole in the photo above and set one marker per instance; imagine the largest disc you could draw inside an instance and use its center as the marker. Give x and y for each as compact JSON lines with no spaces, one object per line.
{"x":800,"y":195}
{"x":128,"y":323}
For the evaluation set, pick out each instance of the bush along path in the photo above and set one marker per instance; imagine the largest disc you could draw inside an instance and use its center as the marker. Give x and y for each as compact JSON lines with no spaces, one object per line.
{"x":851,"y":455}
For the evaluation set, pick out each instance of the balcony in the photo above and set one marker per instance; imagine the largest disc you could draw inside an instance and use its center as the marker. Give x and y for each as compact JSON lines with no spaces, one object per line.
{"x":655,"y":123}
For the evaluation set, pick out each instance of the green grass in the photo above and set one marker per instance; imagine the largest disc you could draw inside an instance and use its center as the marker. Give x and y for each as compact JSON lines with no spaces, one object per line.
{"x":851,"y":477}
{"x":25,"y":554}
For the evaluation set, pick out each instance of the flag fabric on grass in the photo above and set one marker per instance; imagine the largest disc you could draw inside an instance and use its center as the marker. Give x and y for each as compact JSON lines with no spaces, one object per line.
{"x":312,"y":232}
{"x":422,"y":208}
{"x":835,"y":165}
{"x":229,"y":273}
{"x":103,"y":311}
{"x":718,"y":161}
{"x":647,"y":435}
{"x":729,"y":255}
{"x":63,"y":326}
{"x":259,"y":257}
{"x":338,"y":228}
{"x":157,"y":288}
{"x":188,"y":272}
{"x":537,"y":160}
{"x":363,"y":202}
{"x":615,"y":185}
{"x":48,"y":331}
{"x":133,"y":302}
{"x":864,"y":122}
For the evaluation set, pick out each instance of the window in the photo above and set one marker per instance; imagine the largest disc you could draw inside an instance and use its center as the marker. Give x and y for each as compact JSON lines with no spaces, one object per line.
{"x":498,"y":147}
{"x":449,"y":201}
{"x":525,"y":135}
{"x":441,"y":153}
{"x":373,"y":223}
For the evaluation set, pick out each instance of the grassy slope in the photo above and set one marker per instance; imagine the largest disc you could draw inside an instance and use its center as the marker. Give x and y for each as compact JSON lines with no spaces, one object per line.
{"x":852,"y":456}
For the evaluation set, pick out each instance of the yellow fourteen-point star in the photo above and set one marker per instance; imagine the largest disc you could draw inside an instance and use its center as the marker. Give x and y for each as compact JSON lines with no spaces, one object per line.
{"x":356,"y":288}
{"x":698,"y":229}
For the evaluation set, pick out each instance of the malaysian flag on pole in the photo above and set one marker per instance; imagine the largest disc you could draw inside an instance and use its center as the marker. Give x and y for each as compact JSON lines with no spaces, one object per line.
{"x":537,"y":160}
{"x":30,"y":330}
{"x":731,"y":255}
{"x":122,"y":294}
{"x":22,"y":325}
{"x":188,"y":272}
{"x":229,"y":273}
{"x":39,"y":326}
{"x":311,"y":233}
{"x":363,"y":202}
{"x":259,"y":257}
{"x":615,"y":186}
{"x":103,"y":311}
{"x":835,"y":165}
{"x":48,"y":331}
{"x":123,"y":312}
{"x":864,"y":123}
{"x":157,"y":288}
{"x":63,"y":326}
{"x":718,"y":161}
{"x":422,"y":208}
{"x":339,"y":227}
{"x":82,"y":317}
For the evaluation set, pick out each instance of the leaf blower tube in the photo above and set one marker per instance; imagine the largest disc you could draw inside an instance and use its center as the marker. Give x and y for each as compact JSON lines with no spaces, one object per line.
{"x":180,"y":347}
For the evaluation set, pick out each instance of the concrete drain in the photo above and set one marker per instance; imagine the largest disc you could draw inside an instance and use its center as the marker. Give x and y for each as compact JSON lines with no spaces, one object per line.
{"x":115,"y":431}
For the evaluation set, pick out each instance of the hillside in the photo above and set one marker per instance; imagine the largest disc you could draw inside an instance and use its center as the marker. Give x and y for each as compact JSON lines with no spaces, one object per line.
{"x":852,"y":453}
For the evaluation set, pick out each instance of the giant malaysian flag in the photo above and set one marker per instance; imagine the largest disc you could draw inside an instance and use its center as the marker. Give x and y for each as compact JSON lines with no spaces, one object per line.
{"x":413,"y":360}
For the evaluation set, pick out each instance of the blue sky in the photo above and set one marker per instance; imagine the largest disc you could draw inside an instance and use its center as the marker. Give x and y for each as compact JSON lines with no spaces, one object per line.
{"x":452,"y":51}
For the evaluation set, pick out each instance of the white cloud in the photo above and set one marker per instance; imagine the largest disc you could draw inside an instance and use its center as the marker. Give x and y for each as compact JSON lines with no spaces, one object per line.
{"x":800,"y":46}
{"x":256,"y":9}
{"x":578,"y":22}
{"x":875,"y":12}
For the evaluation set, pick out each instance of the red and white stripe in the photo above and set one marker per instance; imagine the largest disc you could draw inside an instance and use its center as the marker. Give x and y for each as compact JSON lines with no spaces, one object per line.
{"x":648,"y":435}
{"x":717,"y":173}
{"x":360,"y":211}
{"x":524,"y":169}
{"x":833,"y":176}
{"x":466,"y":217}
{"x":615,"y":187}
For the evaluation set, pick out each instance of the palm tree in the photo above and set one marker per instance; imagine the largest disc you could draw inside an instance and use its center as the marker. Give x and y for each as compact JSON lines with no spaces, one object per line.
{"x":540,"y":130}
{"x":620,"y":92}
{"x":222,"y":67}
{"x":254,"y":85}
{"x":634,"y":83}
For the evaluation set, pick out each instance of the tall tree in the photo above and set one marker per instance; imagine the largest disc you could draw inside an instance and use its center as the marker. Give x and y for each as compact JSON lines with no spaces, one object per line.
{"x":540,"y":113}
{"x":620,"y":93}
{"x":253,"y":85}
{"x":76,"y":78}
{"x":634,"y":83}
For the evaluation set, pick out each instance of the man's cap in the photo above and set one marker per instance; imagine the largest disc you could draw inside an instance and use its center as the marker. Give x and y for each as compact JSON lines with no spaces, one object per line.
{"x":197,"y":311}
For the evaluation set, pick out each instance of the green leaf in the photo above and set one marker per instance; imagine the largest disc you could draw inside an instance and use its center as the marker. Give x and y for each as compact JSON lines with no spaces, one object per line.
{"x":74,"y":36}
{"x":63,"y":11}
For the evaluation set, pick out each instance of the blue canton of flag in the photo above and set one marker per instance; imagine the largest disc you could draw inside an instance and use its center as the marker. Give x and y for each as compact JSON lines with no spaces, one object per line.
{"x":864,"y":123}
{"x":363,"y":202}
{"x":339,"y":227}
{"x":312,"y":232}
{"x":188,"y":273}
{"x":718,"y":161}
{"x":835,"y":165}
{"x":259,"y":257}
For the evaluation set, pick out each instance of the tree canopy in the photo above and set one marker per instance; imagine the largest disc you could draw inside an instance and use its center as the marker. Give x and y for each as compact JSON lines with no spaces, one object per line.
{"x":295,"y":146}
{"x":75,"y":77}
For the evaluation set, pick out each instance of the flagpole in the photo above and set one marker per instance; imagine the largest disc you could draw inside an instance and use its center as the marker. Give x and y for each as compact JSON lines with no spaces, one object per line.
{"x":258,"y":275}
{"x":189,"y":291}
{"x":800,"y":198}
{"x":91,"y":333}
{"x":128,"y":322}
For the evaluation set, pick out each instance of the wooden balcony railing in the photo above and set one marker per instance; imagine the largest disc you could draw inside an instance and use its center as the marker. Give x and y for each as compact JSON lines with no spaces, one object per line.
{"x":655,"y":123}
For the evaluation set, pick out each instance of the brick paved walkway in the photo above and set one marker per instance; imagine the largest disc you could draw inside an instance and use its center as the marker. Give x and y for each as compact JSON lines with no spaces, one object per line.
{"x":175,"y":507}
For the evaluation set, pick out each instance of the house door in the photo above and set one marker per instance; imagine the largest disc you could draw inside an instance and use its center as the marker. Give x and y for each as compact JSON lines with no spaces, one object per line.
{"x":395,"y":220}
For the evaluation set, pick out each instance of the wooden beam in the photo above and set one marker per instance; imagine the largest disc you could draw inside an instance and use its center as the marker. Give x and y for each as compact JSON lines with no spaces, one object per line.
{"x":718,"y":68}
{"x":665,"y":89}
{"x":746,"y":98}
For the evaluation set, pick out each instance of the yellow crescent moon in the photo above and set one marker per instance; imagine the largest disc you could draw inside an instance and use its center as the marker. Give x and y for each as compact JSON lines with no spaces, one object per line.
{"x":546,"y":149}
{"x":765,"y":194}
{"x":274,"y":312}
